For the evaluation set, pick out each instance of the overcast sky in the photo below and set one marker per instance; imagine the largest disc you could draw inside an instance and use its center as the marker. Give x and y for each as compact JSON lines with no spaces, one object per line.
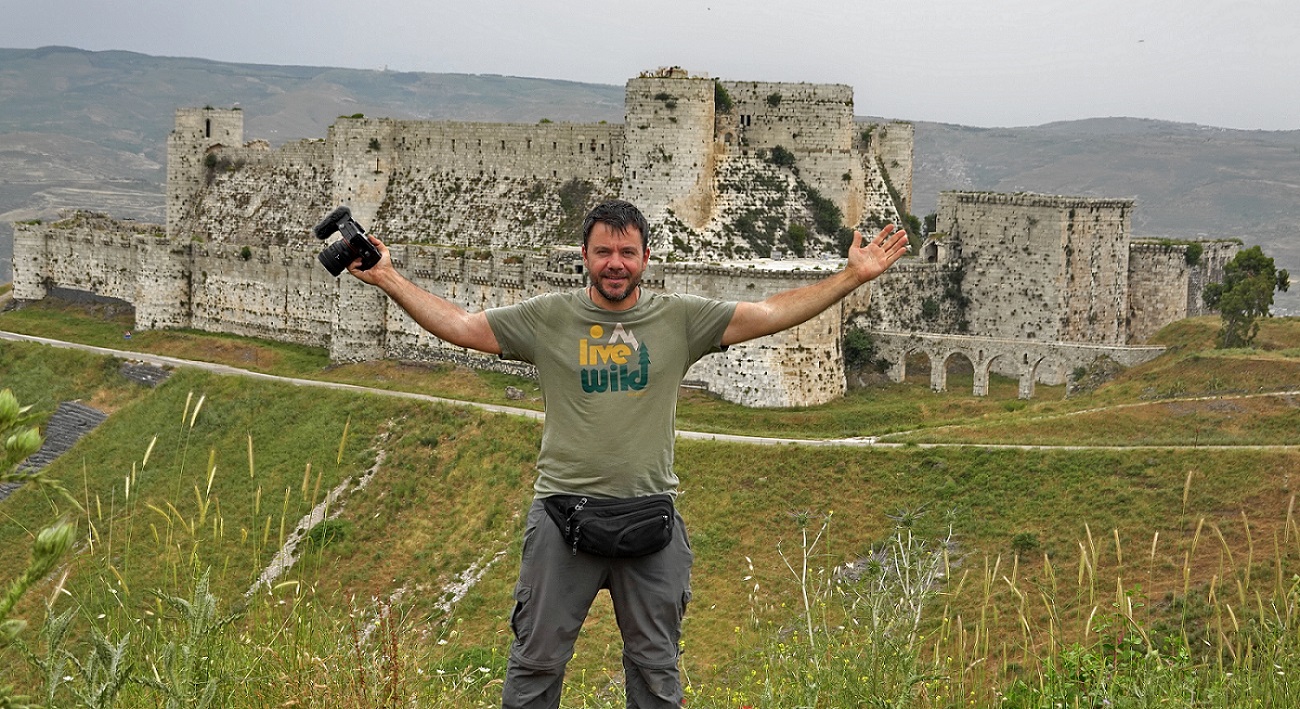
{"x":1228,"y":63}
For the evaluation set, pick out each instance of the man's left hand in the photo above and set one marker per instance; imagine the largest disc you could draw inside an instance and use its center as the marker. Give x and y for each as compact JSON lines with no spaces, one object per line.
{"x":866,"y":261}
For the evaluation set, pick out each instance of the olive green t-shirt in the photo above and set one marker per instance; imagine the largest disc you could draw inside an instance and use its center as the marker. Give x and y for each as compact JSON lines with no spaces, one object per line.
{"x":609,"y":382}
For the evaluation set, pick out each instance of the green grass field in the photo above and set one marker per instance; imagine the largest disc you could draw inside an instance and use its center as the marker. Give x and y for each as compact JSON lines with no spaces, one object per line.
{"x":1069,"y":576}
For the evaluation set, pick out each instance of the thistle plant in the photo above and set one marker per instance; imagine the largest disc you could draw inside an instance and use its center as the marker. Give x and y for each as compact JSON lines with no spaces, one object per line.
{"x":20,"y":441}
{"x":186,"y":674}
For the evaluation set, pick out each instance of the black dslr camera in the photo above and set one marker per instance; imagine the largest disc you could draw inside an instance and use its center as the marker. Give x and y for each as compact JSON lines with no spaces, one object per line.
{"x":354,"y":243}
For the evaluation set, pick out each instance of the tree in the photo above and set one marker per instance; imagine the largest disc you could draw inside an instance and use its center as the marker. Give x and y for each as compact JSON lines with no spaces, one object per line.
{"x":1245,"y":295}
{"x":860,"y":351}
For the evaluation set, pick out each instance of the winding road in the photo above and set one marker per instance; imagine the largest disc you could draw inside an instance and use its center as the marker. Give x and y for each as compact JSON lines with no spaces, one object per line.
{"x":861,"y":441}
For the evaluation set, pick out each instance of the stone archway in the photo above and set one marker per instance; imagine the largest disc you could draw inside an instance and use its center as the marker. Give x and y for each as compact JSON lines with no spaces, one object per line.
{"x":917,"y":364}
{"x":956,"y":362}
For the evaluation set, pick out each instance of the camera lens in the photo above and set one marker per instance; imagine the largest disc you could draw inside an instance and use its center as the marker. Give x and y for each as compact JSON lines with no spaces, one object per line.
{"x":336,"y":257}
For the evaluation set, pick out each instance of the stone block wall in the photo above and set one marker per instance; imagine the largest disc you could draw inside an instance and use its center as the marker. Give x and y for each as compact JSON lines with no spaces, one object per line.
{"x":1047,"y":268}
{"x":916,"y":296}
{"x":476,"y":280}
{"x":1158,"y":287}
{"x":559,"y":151}
{"x":815,"y":123}
{"x":274,"y":292}
{"x":893,"y":145}
{"x":253,"y":195}
{"x":1095,"y":278}
{"x":1165,"y":288}
{"x":669,"y":147}
{"x":84,"y":251}
{"x":162,"y":283}
{"x":1215,"y":256}
{"x":802,"y":366}
{"x":430,"y":205}
{"x":195,"y":131}
{"x":30,"y":261}
{"x":282,"y":293}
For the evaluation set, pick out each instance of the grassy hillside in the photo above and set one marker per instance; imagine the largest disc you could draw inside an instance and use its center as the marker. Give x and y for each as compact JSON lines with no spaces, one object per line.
{"x":1199,"y":543}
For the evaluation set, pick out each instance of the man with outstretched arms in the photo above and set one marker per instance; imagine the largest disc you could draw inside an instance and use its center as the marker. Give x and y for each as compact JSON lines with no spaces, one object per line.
{"x":610,"y":358}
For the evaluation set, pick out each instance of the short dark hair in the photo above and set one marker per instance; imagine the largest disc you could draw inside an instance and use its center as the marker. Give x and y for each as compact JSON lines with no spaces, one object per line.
{"x":618,"y":215}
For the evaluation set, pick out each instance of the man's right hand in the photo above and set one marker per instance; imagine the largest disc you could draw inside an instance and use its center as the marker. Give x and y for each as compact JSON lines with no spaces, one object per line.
{"x":377,"y":272}
{"x":441,"y":317}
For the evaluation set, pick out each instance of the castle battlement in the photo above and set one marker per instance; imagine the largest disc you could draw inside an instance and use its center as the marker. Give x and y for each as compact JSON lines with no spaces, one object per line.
{"x":1031,"y":199}
{"x":729,"y":172}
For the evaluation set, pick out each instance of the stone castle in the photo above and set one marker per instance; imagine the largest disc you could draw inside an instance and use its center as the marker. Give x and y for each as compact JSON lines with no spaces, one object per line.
{"x":749,"y":186}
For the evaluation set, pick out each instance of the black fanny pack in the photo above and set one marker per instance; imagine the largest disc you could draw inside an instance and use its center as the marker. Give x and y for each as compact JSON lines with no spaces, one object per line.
{"x":635,"y":526}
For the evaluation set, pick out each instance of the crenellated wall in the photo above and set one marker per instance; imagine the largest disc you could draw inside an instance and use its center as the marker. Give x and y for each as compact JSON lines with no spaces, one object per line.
{"x":282,"y":293}
{"x":488,"y":214}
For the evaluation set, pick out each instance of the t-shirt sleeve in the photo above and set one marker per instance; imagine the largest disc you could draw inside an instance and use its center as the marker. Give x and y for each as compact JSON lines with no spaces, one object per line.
{"x":706,"y":321}
{"x":514,"y":326}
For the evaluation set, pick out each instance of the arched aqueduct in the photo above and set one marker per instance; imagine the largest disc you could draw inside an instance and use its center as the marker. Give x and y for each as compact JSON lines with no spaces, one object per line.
{"x":1029,"y":361}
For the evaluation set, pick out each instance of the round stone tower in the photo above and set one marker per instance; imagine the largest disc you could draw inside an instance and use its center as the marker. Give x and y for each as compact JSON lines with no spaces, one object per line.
{"x":669,"y":161}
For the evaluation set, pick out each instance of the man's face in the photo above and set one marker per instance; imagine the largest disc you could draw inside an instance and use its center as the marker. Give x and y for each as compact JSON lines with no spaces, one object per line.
{"x":615,"y":261}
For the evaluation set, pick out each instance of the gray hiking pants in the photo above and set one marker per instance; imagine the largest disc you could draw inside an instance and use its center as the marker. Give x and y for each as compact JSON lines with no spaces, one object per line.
{"x":554,"y":593}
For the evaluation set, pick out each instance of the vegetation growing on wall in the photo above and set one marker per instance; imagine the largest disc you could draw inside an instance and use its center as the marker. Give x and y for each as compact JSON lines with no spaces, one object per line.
{"x":952,"y":293}
{"x":861,"y":352}
{"x":910,"y":221}
{"x":722,"y":102}
{"x":781,"y":157}
{"x":575,"y":198}
{"x":216,"y":164}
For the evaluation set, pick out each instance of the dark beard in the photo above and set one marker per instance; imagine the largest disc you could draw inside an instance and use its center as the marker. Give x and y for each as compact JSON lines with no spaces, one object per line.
{"x":632,"y":285}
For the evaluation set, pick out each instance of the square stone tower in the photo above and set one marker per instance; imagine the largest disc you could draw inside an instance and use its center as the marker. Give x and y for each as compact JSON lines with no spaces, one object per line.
{"x":197,"y":131}
{"x":1042,"y":267}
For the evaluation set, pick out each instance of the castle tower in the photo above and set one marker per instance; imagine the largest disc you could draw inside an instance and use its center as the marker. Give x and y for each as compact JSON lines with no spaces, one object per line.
{"x":894,"y":147}
{"x":197,"y":130}
{"x":163,"y":295}
{"x":668,"y":132}
{"x":814,"y":122}
{"x":363,"y":164}
{"x":30,"y":261}
{"x":1048,"y":268}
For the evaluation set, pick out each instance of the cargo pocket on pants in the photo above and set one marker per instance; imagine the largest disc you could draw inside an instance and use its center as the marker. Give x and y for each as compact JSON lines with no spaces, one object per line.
{"x":518,"y":618}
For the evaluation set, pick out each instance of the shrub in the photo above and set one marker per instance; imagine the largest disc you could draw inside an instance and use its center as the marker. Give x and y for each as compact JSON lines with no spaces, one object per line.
{"x":781,"y":157}
{"x":722,"y":102}
{"x":1025,"y":543}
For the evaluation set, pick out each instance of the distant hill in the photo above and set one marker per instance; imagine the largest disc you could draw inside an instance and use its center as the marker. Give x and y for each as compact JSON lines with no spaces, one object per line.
{"x":88,"y":129}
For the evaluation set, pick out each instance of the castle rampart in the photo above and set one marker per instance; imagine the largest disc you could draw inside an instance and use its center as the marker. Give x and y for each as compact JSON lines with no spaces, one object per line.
{"x":282,"y":293}
{"x":486,"y":215}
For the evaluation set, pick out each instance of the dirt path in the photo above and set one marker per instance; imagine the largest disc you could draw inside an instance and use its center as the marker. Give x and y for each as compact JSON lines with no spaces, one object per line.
{"x":861,"y":441}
